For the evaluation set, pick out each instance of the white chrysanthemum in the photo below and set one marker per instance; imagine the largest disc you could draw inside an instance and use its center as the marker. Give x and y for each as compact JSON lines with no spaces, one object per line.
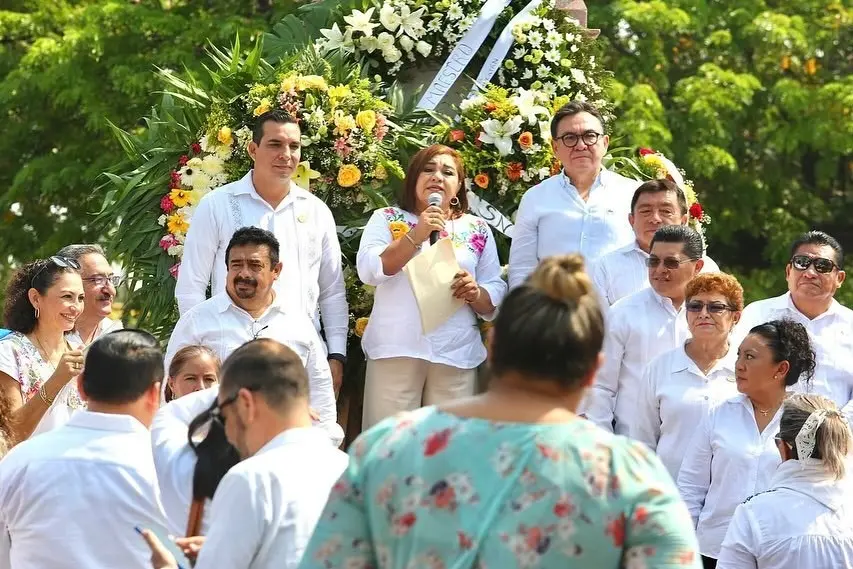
{"x":543,"y":71}
{"x":475,"y":101}
{"x":552,"y":56}
{"x":212,"y":165}
{"x":564,"y":82}
{"x":544,"y":172}
{"x":554,"y":38}
{"x":549,"y":88}
{"x":548,"y":24}
{"x":161,"y":221}
{"x":180,"y":237}
{"x":528,"y":74}
{"x":519,"y":53}
{"x":578,"y":76}
{"x":535,"y":38}
{"x":175,"y":250}
{"x":454,"y":12}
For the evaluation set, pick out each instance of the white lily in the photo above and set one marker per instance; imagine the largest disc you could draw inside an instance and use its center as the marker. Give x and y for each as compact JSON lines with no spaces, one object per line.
{"x":411,"y":22}
{"x":527,"y":107}
{"x":335,"y":39}
{"x":389,"y":18}
{"x":360,"y":21}
{"x":500,"y":133}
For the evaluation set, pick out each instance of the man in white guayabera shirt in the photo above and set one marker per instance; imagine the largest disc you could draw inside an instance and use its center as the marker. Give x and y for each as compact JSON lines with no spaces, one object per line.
{"x":70,"y":498}
{"x":814,"y":273}
{"x":644,"y":325}
{"x":622,"y":272}
{"x":266,"y":197}
{"x":583,"y":209}
{"x":266,"y":507}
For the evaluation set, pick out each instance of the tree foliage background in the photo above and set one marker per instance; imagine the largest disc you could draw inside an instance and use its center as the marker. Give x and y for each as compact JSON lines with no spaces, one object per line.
{"x":753,"y":98}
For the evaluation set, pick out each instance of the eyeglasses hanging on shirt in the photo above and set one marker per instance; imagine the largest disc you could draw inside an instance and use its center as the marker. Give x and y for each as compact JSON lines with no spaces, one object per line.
{"x":256,"y":333}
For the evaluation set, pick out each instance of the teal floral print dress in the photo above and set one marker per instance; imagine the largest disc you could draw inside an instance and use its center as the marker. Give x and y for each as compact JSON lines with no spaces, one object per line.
{"x":431,"y":490}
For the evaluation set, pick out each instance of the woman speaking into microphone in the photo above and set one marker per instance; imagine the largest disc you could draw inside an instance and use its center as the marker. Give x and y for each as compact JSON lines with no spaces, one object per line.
{"x":407,"y":368}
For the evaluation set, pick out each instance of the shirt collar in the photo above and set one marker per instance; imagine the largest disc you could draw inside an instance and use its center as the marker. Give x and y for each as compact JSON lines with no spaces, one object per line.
{"x":834,"y":307}
{"x":682,"y":362}
{"x":106,"y":422}
{"x":665,"y":302}
{"x":223,"y":302}
{"x":600,"y":180}
{"x":301,"y":435}
{"x":244,"y":186}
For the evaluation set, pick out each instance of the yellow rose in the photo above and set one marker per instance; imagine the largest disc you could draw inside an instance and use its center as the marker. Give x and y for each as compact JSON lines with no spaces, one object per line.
{"x":263,"y":107}
{"x":177,"y":223}
{"x":360,"y":326}
{"x":348,"y":175}
{"x":311,"y":82}
{"x":398,"y":229}
{"x":656,"y":163}
{"x":288,"y":84}
{"x":179,"y":197}
{"x":380,"y":173}
{"x":366,"y":120}
{"x":343,"y":123}
{"x":224,"y":136}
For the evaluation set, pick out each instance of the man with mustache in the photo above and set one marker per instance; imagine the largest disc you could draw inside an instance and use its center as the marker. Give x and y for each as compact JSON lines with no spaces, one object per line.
{"x":99,"y":285}
{"x":250,"y":308}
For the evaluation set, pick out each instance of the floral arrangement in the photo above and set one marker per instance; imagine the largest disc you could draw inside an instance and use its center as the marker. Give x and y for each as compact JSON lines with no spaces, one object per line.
{"x":504,"y":139}
{"x":347,"y":153}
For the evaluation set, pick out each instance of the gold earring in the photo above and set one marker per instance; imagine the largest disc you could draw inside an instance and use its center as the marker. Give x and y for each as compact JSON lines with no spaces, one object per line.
{"x":37,"y":313}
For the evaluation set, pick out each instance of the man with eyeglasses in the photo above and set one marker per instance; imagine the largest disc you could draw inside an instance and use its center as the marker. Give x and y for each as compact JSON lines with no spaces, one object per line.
{"x":814,"y":273}
{"x":622,"y":272}
{"x":99,"y":285}
{"x":250,"y":308}
{"x":583,"y":209}
{"x":644,"y":325}
{"x":266,"y":507}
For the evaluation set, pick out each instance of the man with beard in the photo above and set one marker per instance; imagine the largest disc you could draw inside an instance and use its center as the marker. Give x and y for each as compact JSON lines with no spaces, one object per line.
{"x":249,"y":308}
{"x":99,"y":286}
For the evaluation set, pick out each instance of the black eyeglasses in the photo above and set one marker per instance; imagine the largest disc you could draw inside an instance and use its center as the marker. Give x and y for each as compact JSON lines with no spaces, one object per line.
{"x":216,"y":412}
{"x":713,"y":307}
{"x":61,"y":262}
{"x":669,"y":263}
{"x":821,"y":265}
{"x":570,"y":139}
{"x":101,"y":280}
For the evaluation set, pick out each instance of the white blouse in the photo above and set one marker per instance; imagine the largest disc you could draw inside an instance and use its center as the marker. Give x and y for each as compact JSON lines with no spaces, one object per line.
{"x":674,"y":393}
{"x":394,"y":328}
{"x":727,"y":461}
{"x":763,"y":533}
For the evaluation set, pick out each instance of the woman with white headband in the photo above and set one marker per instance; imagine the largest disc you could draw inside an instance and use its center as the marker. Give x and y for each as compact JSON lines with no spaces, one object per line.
{"x":805,"y":519}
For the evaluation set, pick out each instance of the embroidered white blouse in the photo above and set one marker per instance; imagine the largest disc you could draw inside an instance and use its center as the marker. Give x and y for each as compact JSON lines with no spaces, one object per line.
{"x":310,"y":252}
{"x":552,"y":219}
{"x":394,"y":328}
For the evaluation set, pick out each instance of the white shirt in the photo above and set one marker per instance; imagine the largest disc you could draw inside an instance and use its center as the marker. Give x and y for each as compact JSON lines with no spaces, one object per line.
{"x":639,"y":328}
{"x":310,"y":252}
{"x":552,"y":219}
{"x":819,"y":535}
{"x":831,"y":334}
{"x":105,"y":326}
{"x":623,"y":271}
{"x":672,"y":395}
{"x":394,"y":328}
{"x":71,"y":497}
{"x":222,"y":326}
{"x":727,"y":461}
{"x":266,"y":507}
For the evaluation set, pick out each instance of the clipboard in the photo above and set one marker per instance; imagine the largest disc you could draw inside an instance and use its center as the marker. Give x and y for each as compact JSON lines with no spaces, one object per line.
{"x":430,"y":274}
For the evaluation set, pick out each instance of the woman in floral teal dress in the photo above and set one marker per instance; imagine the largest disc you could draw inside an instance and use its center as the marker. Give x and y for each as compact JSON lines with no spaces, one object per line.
{"x":511,"y":478}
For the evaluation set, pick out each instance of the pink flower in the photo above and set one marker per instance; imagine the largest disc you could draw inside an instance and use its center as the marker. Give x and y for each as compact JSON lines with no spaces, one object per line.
{"x":173,"y":270}
{"x":342,"y":148}
{"x":175,"y":177}
{"x":183,"y":160}
{"x":166,"y":204}
{"x":168,"y":241}
{"x":381,"y":127}
{"x":478,"y":242}
{"x":196,"y":147}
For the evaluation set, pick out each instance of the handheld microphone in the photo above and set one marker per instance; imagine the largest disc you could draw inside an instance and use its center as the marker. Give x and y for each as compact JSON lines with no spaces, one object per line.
{"x":434,"y":199}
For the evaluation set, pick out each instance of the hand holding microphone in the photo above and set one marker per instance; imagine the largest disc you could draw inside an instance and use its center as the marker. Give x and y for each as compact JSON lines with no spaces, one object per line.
{"x":431,"y":221}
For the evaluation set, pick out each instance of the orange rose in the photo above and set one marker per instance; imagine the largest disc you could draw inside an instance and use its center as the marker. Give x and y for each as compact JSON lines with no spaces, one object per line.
{"x":457,"y":135}
{"x":525,"y":139}
{"x":490,"y":106}
{"x":513,"y":171}
{"x":482,"y":180}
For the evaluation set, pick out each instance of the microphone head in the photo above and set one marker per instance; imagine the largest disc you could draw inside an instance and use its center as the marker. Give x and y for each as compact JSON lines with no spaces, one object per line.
{"x":434,"y":199}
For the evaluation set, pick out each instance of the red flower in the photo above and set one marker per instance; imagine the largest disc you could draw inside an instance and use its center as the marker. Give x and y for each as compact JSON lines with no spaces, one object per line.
{"x":168,"y":241}
{"x":173,"y":270}
{"x":696,"y":211}
{"x":167,"y":205}
{"x":407,"y":520}
{"x":465,"y":541}
{"x":645,"y":151}
{"x":616,"y":530}
{"x":436,"y":442}
{"x":196,"y":147}
{"x":641,"y":515}
{"x":513,"y":171}
{"x":477,"y":142}
{"x":183,"y":160}
{"x":547,"y":452}
{"x":457,"y":135}
{"x":175,"y":177}
{"x":563,"y":508}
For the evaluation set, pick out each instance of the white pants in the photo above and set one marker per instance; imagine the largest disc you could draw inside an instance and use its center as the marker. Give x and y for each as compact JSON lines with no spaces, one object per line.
{"x":393,"y":385}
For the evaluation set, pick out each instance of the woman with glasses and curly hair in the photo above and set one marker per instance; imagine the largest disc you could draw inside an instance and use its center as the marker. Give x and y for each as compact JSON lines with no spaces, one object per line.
{"x":39,"y":359}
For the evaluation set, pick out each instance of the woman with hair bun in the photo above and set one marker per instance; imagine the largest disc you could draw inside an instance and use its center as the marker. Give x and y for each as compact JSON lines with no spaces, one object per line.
{"x":511,"y":478}
{"x":814,"y":441}
{"x":733,"y":454}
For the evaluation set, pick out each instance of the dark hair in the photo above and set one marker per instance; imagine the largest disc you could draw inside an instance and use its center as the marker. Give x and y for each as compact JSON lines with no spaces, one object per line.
{"x":820,"y":238}
{"x":275,"y":115}
{"x":121,"y":366}
{"x":5,"y":427}
{"x":551,"y":327}
{"x":214,"y":455}
{"x":789,"y":341}
{"x":184,"y":355}
{"x":254,"y":236}
{"x":408,"y":194}
{"x":79,"y":251}
{"x":687,"y":236}
{"x":19,"y":314}
{"x":266,"y":367}
{"x":658,"y":186}
{"x":833,"y":439}
{"x":572,"y":108}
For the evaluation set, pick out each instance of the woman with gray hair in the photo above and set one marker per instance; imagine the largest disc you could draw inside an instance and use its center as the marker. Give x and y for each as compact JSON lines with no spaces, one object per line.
{"x":814,"y":441}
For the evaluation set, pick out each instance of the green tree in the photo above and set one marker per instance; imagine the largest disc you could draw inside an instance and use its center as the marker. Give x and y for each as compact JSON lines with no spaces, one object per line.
{"x":754,"y":99}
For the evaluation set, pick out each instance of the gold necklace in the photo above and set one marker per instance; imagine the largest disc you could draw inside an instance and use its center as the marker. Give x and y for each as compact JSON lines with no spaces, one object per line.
{"x":47,"y":357}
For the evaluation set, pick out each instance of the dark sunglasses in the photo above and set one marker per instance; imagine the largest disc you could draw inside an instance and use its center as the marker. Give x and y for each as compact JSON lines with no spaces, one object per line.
{"x":821,"y":265}
{"x":670,"y":263}
{"x":61,"y":262}
{"x":216,"y":412}
{"x":713,"y":307}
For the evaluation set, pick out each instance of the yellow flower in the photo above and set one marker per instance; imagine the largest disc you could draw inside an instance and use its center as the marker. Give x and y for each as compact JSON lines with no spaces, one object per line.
{"x":224,"y":136}
{"x":288,"y":84}
{"x":360,"y":326}
{"x":811,"y":66}
{"x":177,"y":223}
{"x":380,"y":173}
{"x":263,"y":107}
{"x":690,"y":194}
{"x":311,"y":82}
{"x":339,"y":92}
{"x":398,"y":229}
{"x":343,"y":123}
{"x":179,"y":197}
{"x":366,"y":120}
{"x":348,"y":175}
{"x":304,"y":174}
{"x":655,"y":162}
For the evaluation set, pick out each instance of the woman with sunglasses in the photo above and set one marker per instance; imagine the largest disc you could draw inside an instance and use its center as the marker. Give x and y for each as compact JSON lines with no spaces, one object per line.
{"x":733,"y":454}
{"x":814,"y":441}
{"x":682,"y":384}
{"x":39,"y":359}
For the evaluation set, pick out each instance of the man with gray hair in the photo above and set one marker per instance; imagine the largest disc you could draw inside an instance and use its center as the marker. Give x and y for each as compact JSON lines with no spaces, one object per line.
{"x":99,"y":285}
